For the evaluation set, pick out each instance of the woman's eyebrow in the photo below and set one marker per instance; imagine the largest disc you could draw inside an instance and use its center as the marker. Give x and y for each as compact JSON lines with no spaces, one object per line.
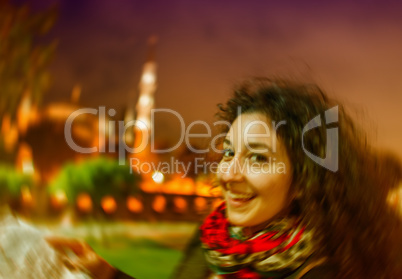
{"x":228,"y":142}
{"x":258,"y":145}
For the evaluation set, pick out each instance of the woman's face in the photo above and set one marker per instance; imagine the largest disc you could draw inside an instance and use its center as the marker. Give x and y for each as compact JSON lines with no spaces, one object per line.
{"x":255,"y":171}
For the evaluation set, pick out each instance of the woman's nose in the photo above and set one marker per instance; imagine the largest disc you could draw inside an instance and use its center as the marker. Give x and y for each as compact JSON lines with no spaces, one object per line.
{"x":231,"y":170}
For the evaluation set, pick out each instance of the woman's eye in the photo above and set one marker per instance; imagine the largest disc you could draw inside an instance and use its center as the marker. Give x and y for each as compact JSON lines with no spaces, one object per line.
{"x":228,"y":153}
{"x":259,"y":158}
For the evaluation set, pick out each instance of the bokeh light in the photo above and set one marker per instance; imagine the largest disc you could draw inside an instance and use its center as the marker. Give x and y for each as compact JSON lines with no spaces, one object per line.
{"x":84,"y":202}
{"x":134,"y":204}
{"x":159,"y":203}
{"x":108,"y":204}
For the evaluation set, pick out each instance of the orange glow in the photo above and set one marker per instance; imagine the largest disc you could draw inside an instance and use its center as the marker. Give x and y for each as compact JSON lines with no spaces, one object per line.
{"x":200,"y":204}
{"x":206,"y":190}
{"x":216,"y":203}
{"x":395,"y":200}
{"x":58,"y":199}
{"x":178,"y":185}
{"x":108,"y":204}
{"x":26,"y":197}
{"x":159,"y":204}
{"x":23,"y":113}
{"x":134,"y":205}
{"x":10,"y":138}
{"x":76,"y":93}
{"x":183,"y":186}
{"x":6,"y":124}
{"x":84,"y":202}
{"x":59,"y":111}
{"x":151,"y":186}
{"x":9,"y":132}
{"x":24,"y":159}
{"x":180,"y":204}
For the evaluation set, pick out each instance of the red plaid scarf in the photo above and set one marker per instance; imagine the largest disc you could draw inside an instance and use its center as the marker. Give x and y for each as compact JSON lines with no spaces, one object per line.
{"x":277,"y":251}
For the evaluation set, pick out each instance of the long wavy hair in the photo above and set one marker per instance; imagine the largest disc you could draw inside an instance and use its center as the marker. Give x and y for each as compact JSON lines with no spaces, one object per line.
{"x":347,"y":209}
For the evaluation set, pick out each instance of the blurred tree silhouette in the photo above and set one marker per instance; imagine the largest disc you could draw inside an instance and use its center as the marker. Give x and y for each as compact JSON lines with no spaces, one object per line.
{"x":23,"y":58}
{"x":97,"y":177}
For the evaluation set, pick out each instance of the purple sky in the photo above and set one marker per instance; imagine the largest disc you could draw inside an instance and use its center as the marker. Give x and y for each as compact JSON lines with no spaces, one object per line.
{"x":353,"y":49}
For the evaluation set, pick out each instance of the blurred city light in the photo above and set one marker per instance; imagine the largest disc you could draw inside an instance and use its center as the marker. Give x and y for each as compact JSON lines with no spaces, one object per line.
{"x":134,"y":204}
{"x":27,"y":167}
{"x":158,"y":177}
{"x":200,"y":204}
{"x":180,"y":204}
{"x":59,"y":199}
{"x":84,"y":202}
{"x":26,"y":196}
{"x":108,"y":204}
{"x":159,"y":204}
{"x":148,"y":78}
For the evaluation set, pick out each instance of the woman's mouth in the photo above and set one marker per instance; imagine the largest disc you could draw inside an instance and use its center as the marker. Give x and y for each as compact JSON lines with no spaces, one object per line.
{"x":238,"y":199}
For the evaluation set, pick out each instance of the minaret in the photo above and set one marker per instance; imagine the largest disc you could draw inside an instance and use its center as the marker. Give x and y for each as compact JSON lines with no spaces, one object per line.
{"x":145,"y":104}
{"x":147,"y":87}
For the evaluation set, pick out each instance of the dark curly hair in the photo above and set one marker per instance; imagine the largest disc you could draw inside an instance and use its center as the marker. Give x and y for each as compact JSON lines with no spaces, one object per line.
{"x":355,"y":228}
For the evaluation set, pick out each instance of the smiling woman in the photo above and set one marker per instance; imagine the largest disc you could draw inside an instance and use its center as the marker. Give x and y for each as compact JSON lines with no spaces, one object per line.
{"x":253,"y":194}
{"x":320,"y":212}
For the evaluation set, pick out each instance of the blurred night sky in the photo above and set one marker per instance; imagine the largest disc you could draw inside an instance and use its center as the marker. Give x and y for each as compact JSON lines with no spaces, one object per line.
{"x":352,"y":49}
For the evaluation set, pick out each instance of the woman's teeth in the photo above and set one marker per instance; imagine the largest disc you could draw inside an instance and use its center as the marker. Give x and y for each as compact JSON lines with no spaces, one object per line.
{"x":240,"y":196}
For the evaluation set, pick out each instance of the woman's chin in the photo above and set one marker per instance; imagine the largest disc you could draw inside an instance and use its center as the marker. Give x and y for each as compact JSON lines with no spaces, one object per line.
{"x":240,"y":212}
{"x":240,"y":219}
